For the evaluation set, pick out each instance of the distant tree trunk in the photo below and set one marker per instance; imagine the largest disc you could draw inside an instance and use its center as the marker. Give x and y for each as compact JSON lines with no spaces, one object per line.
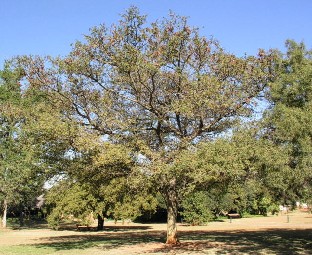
{"x":5,"y":211}
{"x":100,"y":225}
{"x":21,"y":216}
{"x":172,"y":210}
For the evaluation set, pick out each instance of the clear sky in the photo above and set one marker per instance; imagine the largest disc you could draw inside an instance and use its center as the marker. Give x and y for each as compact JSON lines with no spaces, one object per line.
{"x":48,"y":27}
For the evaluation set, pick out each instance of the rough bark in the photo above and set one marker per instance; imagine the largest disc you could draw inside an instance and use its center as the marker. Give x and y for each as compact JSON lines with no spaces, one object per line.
{"x":4,"y":216}
{"x":172,"y":208}
{"x":100,"y":225}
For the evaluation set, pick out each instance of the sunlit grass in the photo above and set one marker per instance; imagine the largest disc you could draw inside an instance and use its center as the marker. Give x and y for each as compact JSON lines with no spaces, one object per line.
{"x":25,"y":249}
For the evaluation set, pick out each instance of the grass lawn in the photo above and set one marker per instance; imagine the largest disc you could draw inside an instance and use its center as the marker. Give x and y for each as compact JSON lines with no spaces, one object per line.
{"x":260,"y":235}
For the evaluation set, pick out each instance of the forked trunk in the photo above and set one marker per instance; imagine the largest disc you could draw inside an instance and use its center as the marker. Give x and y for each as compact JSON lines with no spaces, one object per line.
{"x":172,"y":208}
{"x":4,"y":216}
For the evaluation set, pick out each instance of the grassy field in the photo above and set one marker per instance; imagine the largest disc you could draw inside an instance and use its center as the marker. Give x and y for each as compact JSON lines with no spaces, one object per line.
{"x":260,"y":235}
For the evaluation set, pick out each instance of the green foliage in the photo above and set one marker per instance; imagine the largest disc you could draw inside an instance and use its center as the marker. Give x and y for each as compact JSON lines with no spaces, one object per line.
{"x":115,"y":199}
{"x":70,"y":202}
{"x":20,"y":171}
{"x":125,"y":199}
{"x":239,"y":173}
{"x":196,"y":209}
{"x":289,"y":122}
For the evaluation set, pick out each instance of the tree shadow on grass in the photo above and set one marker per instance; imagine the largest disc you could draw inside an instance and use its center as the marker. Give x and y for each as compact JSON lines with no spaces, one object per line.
{"x":108,"y":240}
{"x":116,"y":228}
{"x":28,"y":224}
{"x":272,"y":241}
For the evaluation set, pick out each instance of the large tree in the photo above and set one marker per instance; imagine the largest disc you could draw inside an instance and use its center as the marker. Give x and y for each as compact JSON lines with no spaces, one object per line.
{"x":160,"y":87}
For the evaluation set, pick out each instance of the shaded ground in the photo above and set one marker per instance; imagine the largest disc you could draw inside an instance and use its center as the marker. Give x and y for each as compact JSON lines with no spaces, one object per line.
{"x":263,"y":235}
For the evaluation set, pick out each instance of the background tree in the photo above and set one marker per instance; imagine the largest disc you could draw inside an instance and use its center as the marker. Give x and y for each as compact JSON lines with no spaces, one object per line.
{"x":20,"y":180}
{"x":238,"y":174}
{"x":34,"y":140}
{"x":290,"y":120}
{"x":69,"y":201}
{"x":196,"y":208}
{"x":160,"y":87}
{"x":102,"y":180}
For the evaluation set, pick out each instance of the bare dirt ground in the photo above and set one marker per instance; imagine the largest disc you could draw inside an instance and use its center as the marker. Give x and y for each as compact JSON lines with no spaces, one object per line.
{"x":283,"y":234}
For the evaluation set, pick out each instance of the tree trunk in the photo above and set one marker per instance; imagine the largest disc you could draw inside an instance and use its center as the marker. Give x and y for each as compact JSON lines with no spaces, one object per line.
{"x":100,"y":225}
{"x":4,"y":216}
{"x":21,"y":219}
{"x":172,"y":210}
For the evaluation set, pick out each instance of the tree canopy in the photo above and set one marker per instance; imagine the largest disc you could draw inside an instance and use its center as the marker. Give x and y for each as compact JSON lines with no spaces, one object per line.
{"x":159,"y":87}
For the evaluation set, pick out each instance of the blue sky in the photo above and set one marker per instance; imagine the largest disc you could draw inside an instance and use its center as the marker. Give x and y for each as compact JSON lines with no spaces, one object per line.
{"x":48,"y":27}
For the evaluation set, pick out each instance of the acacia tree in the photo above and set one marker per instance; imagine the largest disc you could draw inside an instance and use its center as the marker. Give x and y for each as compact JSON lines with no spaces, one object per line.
{"x":160,"y":87}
